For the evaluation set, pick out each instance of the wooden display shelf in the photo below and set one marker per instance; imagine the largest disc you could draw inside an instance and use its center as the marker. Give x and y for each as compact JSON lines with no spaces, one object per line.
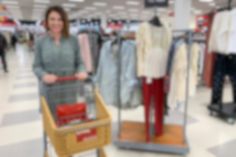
{"x":133,"y":136}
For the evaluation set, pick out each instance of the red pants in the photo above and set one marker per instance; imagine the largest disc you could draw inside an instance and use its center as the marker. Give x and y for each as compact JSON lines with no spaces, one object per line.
{"x":154,"y":92}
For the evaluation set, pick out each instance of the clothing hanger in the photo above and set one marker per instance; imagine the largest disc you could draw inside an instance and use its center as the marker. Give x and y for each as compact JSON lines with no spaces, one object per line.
{"x":155,"y":20}
{"x":114,"y":38}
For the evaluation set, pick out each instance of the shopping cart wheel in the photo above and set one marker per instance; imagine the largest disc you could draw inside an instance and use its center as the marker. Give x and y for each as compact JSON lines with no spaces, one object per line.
{"x":98,"y":153}
{"x":231,"y":121}
{"x":45,"y":145}
{"x":213,"y":113}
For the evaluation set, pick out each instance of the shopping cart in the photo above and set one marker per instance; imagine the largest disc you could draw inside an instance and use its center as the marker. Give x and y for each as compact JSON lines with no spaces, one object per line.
{"x":64,"y":138}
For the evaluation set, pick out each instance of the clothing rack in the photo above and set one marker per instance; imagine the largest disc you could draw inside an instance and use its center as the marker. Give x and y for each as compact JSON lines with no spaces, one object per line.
{"x":154,"y":146}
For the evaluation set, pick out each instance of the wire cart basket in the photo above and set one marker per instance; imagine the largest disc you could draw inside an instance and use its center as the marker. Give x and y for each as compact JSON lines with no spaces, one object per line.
{"x":64,"y":138}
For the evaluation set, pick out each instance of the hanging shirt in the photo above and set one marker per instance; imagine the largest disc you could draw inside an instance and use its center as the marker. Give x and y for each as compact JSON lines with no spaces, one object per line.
{"x":86,"y":51}
{"x":178,"y":75}
{"x":153,"y":45}
{"x":112,"y":84}
{"x":94,"y":39}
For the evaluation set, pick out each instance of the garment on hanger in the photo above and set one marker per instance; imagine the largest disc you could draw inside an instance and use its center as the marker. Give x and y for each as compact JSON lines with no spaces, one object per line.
{"x":131,"y":86}
{"x":108,"y":77}
{"x":153,"y":45}
{"x":95,"y":44}
{"x":171,"y":56}
{"x":194,"y":68}
{"x":225,"y":65}
{"x":85,"y":51}
{"x":201,"y":63}
{"x":178,"y":73}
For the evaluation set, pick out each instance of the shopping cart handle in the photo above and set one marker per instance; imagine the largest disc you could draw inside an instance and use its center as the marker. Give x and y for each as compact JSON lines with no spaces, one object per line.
{"x":67,"y":78}
{"x":71,"y":78}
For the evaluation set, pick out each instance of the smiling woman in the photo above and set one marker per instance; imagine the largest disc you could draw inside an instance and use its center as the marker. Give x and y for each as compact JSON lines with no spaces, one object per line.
{"x":57,"y":53}
{"x":57,"y":21}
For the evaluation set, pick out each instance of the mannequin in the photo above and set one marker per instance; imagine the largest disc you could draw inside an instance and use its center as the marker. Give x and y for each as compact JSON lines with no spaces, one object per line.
{"x":153,"y":42}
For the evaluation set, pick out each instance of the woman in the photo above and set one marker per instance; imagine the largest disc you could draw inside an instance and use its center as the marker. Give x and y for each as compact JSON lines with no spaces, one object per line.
{"x":57,"y":55}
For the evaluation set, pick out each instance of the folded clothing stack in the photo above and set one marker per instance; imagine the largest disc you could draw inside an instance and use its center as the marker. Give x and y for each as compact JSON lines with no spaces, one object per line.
{"x":71,"y":113}
{"x":68,"y":114}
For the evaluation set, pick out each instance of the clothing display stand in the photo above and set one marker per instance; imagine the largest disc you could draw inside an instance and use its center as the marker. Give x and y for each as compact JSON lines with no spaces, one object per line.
{"x":131,"y":134}
{"x":225,"y":111}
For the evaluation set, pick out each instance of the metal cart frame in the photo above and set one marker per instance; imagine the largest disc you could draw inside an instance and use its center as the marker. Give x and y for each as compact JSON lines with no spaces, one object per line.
{"x":64,"y":138}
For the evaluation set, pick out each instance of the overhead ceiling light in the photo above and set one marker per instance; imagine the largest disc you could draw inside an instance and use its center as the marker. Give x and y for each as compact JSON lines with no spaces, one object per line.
{"x":171,"y":1}
{"x":133,"y":10}
{"x":42,"y":1}
{"x":134,"y":15}
{"x":40,"y":6}
{"x":38,"y":10}
{"x":121,"y":12}
{"x":119,"y":7}
{"x":90,"y":8}
{"x":206,"y":1}
{"x":100,"y":4}
{"x":76,"y":0}
{"x":197,"y":11}
{"x":212,"y":4}
{"x":161,"y":9}
{"x":12,"y":6}
{"x":147,"y":13}
{"x":67,"y":9}
{"x":132,"y":2}
{"x":69,"y":5}
{"x":10,"y":2}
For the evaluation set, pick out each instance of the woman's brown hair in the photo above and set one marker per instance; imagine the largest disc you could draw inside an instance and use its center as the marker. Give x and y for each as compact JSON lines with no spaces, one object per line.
{"x":64,"y":18}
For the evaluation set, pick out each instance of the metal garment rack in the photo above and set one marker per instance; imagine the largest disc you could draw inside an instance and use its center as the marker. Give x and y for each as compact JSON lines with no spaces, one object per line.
{"x":155,"y":147}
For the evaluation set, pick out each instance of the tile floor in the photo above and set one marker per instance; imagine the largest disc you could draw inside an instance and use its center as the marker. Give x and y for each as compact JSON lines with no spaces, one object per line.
{"x":21,"y":127}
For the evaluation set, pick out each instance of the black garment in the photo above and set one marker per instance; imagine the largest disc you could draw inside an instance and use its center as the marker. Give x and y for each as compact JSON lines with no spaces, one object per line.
{"x":13,"y":40}
{"x":224,"y":65}
{"x":3,"y":57}
{"x":3,"y":45}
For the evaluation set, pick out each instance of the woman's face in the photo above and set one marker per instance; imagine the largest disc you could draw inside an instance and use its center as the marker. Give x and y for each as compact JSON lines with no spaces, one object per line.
{"x":55,"y":22}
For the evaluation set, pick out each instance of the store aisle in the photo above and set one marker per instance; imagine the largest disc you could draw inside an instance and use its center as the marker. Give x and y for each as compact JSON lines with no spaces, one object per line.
{"x":21,"y":127}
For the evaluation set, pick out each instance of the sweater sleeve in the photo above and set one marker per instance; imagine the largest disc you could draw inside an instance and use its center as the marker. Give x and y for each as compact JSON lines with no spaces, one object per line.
{"x":38,"y":64}
{"x":140,"y":50}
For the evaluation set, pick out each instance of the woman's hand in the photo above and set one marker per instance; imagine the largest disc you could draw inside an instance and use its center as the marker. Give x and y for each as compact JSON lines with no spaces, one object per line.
{"x":50,"y":78}
{"x":81,"y":76}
